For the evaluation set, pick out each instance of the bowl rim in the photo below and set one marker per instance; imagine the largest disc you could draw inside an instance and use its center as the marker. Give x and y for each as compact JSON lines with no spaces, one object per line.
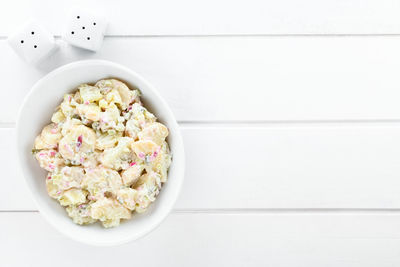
{"x":177,"y":137}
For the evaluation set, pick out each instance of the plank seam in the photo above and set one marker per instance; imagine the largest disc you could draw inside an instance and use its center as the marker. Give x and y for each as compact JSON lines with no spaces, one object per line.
{"x":288,"y":122}
{"x":239,"y":35}
{"x":266,"y":123}
{"x":277,"y":211}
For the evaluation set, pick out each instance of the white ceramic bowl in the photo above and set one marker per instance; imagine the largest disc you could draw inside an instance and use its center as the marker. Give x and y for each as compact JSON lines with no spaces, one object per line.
{"x":36,"y":112}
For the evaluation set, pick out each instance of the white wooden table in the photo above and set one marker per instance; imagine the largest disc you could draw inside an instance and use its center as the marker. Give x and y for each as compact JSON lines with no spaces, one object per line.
{"x":290,"y":112}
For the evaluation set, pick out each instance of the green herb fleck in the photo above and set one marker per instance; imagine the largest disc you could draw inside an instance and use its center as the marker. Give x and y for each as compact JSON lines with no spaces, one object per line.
{"x":35,"y":150}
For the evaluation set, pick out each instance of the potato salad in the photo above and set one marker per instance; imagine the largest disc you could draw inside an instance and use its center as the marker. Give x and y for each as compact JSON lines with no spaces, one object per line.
{"x":105,"y":153}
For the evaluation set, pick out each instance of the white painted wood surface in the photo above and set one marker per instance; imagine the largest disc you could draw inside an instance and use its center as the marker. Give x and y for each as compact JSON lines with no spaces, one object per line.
{"x":209,"y":17}
{"x":291,"y":123}
{"x":274,"y":167}
{"x":256,"y":78}
{"x":205,"y":239}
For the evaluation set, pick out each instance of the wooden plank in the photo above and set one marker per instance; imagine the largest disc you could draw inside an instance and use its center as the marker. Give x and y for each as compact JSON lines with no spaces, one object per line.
{"x":270,"y":167}
{"x":292,"y":167}
{"x":251,"y":79}
{"x":217,"y":239}
{"x":15,"y":193}
{"x":208,"y":17}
